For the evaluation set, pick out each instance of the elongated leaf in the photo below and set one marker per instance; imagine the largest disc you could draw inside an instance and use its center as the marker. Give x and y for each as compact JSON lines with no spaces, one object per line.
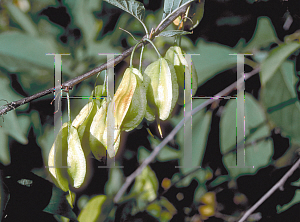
{"x":133,"y":7}
{"x":173,"y":33}
{"x":271,"y":64}
{"x":257,"y":155}
{"x":171,"y":5}
{"x":280,"y":99}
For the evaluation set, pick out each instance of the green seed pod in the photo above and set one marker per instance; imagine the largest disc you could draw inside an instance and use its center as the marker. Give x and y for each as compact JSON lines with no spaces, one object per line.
{"x":175,"y":56}
{"x":162,"y":89}
{"x":123,"y":97}
{"x":98,"y":134}
{"x":56,"y":159}
{"x":85,"y":117}
{"x":67,"y":151}
{"x":75,"y":159}
{"x":85,"y":112}
{"x":99,"y":91}
{"x":137,"y":108}
{"x":128,"y":107}
{"x":98,"y":125}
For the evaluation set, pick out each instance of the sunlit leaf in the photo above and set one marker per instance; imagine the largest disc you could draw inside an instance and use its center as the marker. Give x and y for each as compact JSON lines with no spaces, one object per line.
{"x":93,"y":209}
{"x":146,"y":185}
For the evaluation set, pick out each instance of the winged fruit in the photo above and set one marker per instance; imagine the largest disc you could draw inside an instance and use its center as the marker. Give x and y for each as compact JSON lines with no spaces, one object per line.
{"x":128,"y":107}
{"x":67,"y":151}
{"x":175,"y":56}
{"x":162,"y":89}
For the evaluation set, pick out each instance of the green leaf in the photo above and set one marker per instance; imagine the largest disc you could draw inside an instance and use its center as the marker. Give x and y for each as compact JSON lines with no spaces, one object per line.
{"x":21,"y":52}
{"x":295,"y":200}
{"x":167,"y":153}
{"x":133,"y":7}
{"x":4,"y":149}
{"x":199,"y":192}
{"x":173,"y":33}
{"x":277,"y":56}
{"x":96,"y":210}
{"x":103,"y":46}
{"x":196,"y":12}
{"x":115,"y":181}
{"x":280,"y":100}
{"x":257,"y":155}
{"x":213,"y":59}
{"x":22,"y":19}
{"x":171,"y":6}
{"x":219,"y":180}
{"x":92,"y":209}
{"x":59,"y":205}
{"x":146,"y":186}
{"x":264,"y":34}
{"x":10,"y":124}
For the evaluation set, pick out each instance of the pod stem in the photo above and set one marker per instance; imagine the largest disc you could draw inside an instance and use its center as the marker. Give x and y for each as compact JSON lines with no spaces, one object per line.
{"x":159,"y":55}
{"x":131,"y":57}
{"x":159,"y":128}
{"x":69,"y":112}
{"x":141,"y":58}
{"x":96,"y":83}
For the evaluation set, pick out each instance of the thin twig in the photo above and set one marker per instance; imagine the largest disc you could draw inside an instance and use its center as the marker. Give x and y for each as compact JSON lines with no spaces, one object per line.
{"x":279,"y":184}
{"x":171,"y":135}
{"x":71,"y":83}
